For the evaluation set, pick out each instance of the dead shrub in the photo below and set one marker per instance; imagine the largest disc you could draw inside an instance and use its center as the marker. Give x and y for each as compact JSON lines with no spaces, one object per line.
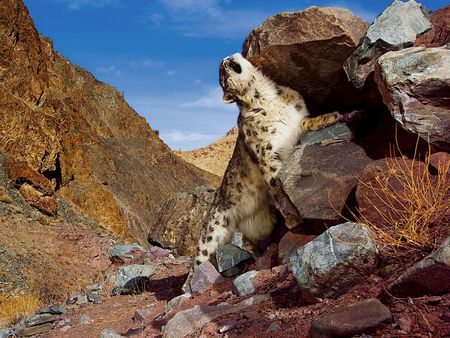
{"x":16,"y":307}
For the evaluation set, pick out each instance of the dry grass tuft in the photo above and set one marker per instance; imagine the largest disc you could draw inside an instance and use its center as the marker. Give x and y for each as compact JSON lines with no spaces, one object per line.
{"x":412,"y":205}
{"x":16,"y":307}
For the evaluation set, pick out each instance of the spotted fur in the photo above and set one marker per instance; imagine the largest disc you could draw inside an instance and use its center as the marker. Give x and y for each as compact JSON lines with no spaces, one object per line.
{"x":271,"y":118}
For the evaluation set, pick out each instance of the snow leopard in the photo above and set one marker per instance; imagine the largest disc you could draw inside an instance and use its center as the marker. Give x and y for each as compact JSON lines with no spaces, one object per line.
{"x":271,"y":119}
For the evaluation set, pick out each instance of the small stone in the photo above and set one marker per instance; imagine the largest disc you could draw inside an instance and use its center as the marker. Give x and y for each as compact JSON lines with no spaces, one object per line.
{"x":143,"y":314}
{"x":133,"y":278}
{"x":121,"y":254}
{"x":229,"y":256}
{"x":406,"y":323}
{"x":430,"y":276}
{"x":228,"y":327}
{"x":54,"y":310}
{"x":15,"y":209}
{"x":243,"y":285}
{"x":94,"y":297}
{"x":38,"y":319}
{"x":84,"y":320}
{"x":272,"y":327}
{"x":238,"y":240}
{"x":6,"y":333}
{"x":4,"y":197}
{"x":204,"y":276}
{"x":34,"y":330}
{"x":176,"y":302}
{"x":358,"y":318}
{"x":81,"y":299}
{"x":65,"y":328}
{"x":110,"y":333}
{"x":92,"y":287}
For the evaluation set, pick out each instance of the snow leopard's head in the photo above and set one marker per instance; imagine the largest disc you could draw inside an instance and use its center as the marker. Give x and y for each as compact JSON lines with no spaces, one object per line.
{"x":236,"y":76}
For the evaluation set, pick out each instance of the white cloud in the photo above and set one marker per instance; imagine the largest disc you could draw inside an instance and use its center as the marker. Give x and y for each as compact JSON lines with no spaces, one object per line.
{"x":207,"y":18}
{"x":180,"y":137}
{"x":144,"y":63}
{"x":171,"y":72}
{"x":355,"y":8}
{"x":109,"y":70}
{"x":77,"y":4}
{"x":212,"y":100}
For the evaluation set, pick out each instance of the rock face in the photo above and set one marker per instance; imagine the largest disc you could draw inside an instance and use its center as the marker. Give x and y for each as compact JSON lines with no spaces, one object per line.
{"x":317,"y":178}
{"x":180,"y":220}
{"x":133,"y":278}
{"x":356,"y":319}
{"x":430,"y":276}
{"x":335,"y":261}
{"x":396,"y":28}
{"x":439,"y":35}
{"x":204,"y":276}
{"x":414,"y":83}
{"x":306,"y":50}
{"x":80,"y":133}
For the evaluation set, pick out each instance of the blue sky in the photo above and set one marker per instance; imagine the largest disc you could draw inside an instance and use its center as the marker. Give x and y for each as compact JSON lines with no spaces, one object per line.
{"x":164,"y":54}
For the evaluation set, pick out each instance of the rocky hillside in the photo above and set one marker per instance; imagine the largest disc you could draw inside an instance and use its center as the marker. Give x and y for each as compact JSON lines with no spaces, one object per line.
{"x":79,"y":135}
{"x":215,"y":157}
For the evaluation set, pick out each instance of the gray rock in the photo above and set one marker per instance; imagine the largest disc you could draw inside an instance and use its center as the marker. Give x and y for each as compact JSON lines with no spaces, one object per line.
{"x":94,"y":297}
{"x":36,"y":324}
{"x":93,"y":287}
{"x":190,"y":320}
{"x":242,"y":285}
{"x":109,"y":333}
{"x":123,"y":253}
{"x":394,"y":29}
{"x":238,"y":240}
{"x":413,"y":82}
{"x":175,"y":302}
{"x":229,"y":256}
{"x":85,"y":319}
{"x":81,"y":299}
{"x":133,"y":278}
{"x":334,"y":262}
{"x":317,"y":178}
{"x":204,"y":276}
{"x":179,"y":221}
{"x":143,"y":314}
{"x":6,"y":333}
{"x":430,"y":276}
{"x":356,"y":319}
{"x":53,"y":309}
{"x":34,"y":330}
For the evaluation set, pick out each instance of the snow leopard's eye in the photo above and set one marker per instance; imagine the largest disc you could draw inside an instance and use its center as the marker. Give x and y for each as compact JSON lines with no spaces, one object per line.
{"x":235,"y":66}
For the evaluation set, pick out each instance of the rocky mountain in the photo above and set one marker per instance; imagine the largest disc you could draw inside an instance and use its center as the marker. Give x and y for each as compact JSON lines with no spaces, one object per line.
{"x":215,"y":157}
{"x":79,"y":135}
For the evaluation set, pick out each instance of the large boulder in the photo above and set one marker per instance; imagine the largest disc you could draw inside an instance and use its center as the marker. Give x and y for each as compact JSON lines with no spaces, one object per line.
{"x":394,"y":29}
{"x":305,"y":51}
{"x":318,"y":178}
{"x":439,"y":35}
{"x":415,"y":83}
{"x":335,"y":261}
{"x":180,"y":220}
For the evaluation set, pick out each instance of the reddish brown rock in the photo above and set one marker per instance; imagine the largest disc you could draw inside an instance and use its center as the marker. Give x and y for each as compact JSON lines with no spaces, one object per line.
{"x":46,"y":204}
{"x":305,"y":51}
{"x":439,"y":34}
{"x":290,"y":243}
{"x":21,"y":172}
{"x":440,"y":160}
{"x":81,"y":134}
{"x":268,"y":259}
{"x":358,"y":318}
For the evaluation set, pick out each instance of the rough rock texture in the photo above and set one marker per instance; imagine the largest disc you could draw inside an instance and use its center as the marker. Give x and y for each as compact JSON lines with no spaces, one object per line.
{"x":180,"y":220}
{"x":36,"y":324}
{"x":190,"y":320}
{"x":110,"y":333}
{"x":229,"y":256}
{"x":363,"y":317}
{"x":133,"y":278}
{"x":430,"y":276}
{"x":317,"y":177}
{"x":46,"y":204}
{"x":396,"y":28}
{"x":305,"y":51}
{"x":415,"y":83}
{"x":80,"y":133}
{"x":439,"y":35}
{"x":335,"y":261}
{"x":121,"y":254}
{"x":243,"y":284}
{"x":204,"y":276}
{"x":290,"y":243}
